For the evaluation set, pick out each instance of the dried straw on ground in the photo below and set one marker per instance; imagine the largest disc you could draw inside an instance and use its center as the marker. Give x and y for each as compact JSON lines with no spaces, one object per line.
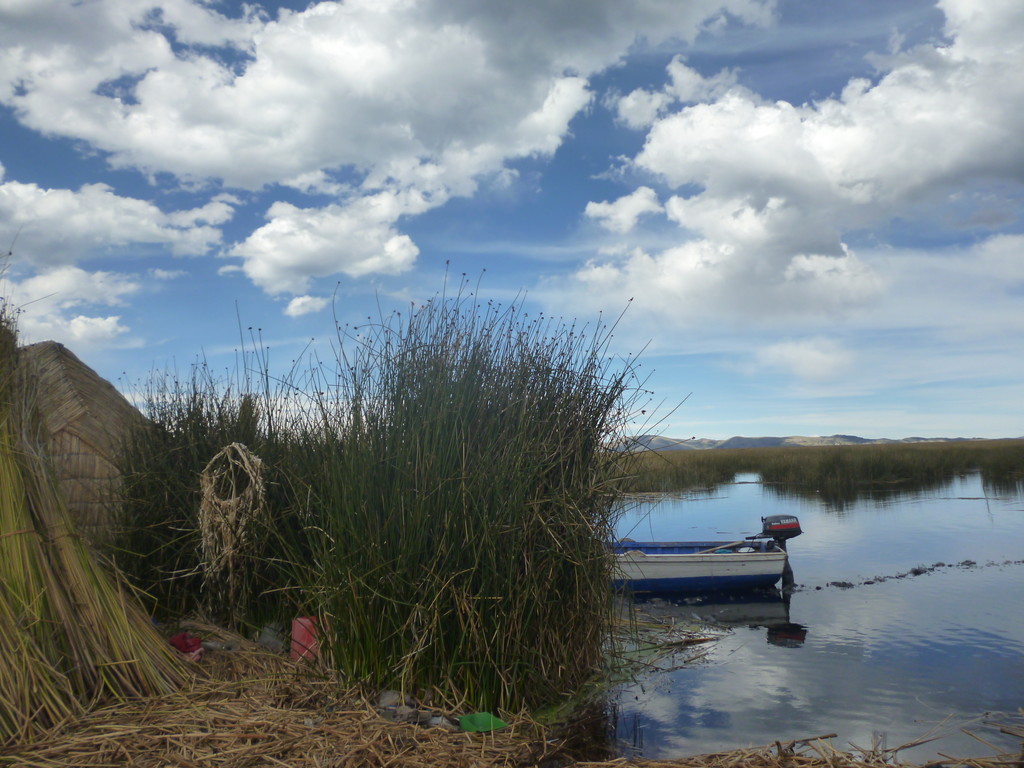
{"x":265,"y":710}
{"x":259,"y":709}
{"x":86,"y":420}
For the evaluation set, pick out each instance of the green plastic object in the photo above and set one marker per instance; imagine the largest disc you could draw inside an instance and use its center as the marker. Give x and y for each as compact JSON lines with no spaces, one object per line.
{"x":481,"y":722}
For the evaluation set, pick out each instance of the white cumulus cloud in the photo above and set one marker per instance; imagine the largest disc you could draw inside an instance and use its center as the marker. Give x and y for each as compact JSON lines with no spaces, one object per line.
{"x":60,"y":226}
{"x":305,"y":305}
{"x":358,"y":239}
{"x":768,"y":194}
{"x":622,"y":214}
{"x":814,"y":360}
{"x":350,"y":100}
{"x":54,"y":303}
{"x":641,"y":108}
{"x":91,"y":330}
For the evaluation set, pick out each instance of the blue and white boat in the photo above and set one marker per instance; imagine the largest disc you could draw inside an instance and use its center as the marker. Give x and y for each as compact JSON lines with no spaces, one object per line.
{"x":757,"y":561}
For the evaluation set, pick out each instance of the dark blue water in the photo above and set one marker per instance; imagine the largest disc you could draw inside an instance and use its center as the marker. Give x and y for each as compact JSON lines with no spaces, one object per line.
{"x":927,"y":642}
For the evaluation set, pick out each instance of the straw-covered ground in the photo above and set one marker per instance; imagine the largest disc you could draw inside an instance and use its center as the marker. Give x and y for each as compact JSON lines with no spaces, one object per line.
{"x":248,"y":707}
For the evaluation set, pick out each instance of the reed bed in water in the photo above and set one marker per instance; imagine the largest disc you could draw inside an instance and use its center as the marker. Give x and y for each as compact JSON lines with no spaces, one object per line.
{"x":834,"y":470}
{"x":439,"y":498}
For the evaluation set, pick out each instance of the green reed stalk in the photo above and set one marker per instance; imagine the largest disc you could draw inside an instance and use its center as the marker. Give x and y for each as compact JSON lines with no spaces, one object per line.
{"x":160,"y":544}
{"x":466,"y":492}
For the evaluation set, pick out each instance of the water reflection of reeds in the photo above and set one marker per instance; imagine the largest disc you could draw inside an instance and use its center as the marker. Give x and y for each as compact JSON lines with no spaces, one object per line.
{"x":840,"y":475}
{"x":837,"y":497}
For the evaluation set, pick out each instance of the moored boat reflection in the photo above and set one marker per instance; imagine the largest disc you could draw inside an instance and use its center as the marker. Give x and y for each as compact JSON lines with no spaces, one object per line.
{"x":768,"y":609}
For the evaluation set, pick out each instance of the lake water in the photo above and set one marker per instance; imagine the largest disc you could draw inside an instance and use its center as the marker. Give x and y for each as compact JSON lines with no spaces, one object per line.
{"x":906,"y":622}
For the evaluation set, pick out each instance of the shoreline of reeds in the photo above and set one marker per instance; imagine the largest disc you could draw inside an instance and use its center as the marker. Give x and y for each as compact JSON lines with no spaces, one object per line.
{"x":835,"y":473}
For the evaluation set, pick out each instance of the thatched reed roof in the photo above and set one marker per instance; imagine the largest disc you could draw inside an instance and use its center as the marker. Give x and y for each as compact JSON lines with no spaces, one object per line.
{"x":87,"y":420}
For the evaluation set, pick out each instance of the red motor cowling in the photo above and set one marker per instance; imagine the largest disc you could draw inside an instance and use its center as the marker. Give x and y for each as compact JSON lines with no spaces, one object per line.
{"x":780,"y":527}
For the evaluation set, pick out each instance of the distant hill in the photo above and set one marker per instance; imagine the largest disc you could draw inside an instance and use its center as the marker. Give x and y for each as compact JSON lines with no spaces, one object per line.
{"x":660,"y":443}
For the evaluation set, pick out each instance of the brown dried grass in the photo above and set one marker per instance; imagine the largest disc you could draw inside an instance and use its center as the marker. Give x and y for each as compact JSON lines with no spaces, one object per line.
{"x":254,"y":708}
{"x":233,"y":503}
{"x":260,"y":709}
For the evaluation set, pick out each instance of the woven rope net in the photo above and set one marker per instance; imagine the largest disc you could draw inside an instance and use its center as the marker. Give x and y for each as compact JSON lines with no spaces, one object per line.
{"x":232,"y":508}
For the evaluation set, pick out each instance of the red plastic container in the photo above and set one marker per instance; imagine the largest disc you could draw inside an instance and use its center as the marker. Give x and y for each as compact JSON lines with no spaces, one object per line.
{"x":304,"y":641}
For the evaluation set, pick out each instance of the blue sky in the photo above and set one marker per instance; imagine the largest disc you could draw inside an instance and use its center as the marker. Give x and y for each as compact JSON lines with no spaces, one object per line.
{"x":814,"y":207}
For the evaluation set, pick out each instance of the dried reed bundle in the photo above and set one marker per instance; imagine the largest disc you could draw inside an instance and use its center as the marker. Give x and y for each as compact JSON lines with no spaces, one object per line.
{"x":72,"y":633}
{"x":232,"y":506}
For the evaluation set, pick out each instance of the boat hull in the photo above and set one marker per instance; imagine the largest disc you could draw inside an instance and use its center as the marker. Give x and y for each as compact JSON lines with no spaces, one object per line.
{"x":690,"y":567}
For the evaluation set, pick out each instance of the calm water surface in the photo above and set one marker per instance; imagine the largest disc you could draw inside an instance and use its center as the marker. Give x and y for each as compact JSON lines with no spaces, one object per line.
{"x":893,"y":658}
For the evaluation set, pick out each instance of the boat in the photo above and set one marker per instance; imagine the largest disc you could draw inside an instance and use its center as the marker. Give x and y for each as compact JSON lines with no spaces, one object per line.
{"x":756,"y":562}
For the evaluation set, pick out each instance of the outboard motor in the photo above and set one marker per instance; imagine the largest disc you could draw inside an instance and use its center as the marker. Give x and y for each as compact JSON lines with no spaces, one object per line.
{"x":780,"y":527}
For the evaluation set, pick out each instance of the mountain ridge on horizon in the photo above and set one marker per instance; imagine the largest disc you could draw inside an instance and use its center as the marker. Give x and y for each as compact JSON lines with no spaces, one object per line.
{"x":662,"y":443}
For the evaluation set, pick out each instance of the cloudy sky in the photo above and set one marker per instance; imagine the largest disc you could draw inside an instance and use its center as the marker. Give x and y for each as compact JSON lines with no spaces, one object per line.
{"x":814,"y":207}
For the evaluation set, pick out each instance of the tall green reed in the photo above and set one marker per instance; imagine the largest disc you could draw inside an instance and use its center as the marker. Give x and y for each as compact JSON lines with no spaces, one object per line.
{"x":467,"y":495}
{"x":681,"y":470}
{"x":160,"y":545}
{"x":443,"y":496}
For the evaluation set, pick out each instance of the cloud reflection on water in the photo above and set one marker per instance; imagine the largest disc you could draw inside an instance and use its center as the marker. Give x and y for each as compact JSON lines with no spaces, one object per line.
{"x":898,"y":657}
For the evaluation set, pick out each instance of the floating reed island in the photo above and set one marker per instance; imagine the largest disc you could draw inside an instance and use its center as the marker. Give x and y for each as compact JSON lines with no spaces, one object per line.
{"x":254,"y":708}
{"x":436,"y":501}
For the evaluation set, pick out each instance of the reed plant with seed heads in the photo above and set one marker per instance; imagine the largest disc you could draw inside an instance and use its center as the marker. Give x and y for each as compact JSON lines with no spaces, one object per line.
{"x":467,"y":494}
{"x":440,"y":496}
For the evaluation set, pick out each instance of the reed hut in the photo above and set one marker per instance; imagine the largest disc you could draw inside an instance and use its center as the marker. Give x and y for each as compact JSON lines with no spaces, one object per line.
{"x":87,"y":420}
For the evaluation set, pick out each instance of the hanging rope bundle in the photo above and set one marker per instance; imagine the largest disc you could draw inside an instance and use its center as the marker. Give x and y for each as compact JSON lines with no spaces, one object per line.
{"x":232,"y":506}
